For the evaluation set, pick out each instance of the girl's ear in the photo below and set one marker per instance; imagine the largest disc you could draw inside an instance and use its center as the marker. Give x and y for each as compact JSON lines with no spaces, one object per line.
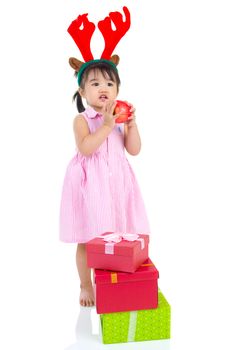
{"x":75,"y":63}
{"x":81,"y":92}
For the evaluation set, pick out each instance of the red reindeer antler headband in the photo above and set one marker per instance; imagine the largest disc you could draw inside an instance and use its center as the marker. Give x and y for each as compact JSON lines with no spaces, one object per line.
{"x":82,"y":38}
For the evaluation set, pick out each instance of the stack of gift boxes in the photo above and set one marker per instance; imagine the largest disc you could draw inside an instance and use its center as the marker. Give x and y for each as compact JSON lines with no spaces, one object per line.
{"x":131,"y":306}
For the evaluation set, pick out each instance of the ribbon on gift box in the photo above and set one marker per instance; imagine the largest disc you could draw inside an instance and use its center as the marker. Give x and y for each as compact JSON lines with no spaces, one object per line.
{"x":112,"y":238}
{"x":114,"y":277}
{"x":132,"y":326}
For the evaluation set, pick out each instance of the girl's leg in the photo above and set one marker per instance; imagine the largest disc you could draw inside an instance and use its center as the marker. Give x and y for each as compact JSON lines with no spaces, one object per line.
{"x":87,"y":294}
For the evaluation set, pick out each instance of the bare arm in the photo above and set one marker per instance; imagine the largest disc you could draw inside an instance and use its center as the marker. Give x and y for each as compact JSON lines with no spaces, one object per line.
{"x":88,"y":143}
{"x":132,"y":140}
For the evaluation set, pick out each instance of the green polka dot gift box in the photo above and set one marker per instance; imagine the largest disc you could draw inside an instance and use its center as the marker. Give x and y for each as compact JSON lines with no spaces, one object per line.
{"x":122,"y":327}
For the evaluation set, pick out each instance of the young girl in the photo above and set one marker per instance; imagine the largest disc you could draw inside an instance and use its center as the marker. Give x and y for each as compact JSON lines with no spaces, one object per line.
{"x":100,"y":192}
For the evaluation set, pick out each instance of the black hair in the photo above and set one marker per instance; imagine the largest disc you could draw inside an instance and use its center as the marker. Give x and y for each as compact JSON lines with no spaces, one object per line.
{"x":107,"y":71}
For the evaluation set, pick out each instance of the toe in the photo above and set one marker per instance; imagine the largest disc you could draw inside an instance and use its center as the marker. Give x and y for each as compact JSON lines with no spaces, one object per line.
{"x":83,"y":303}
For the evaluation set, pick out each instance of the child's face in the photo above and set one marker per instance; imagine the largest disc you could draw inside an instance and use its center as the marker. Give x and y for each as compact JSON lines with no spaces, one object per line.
{"x":99,"y":90}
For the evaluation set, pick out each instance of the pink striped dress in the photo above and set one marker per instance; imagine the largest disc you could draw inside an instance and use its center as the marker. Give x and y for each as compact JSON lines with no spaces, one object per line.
{"x":100,"y":192}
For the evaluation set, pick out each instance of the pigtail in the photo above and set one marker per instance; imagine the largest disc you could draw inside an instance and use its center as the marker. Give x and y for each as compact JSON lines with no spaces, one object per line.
{"x":79,"y":103}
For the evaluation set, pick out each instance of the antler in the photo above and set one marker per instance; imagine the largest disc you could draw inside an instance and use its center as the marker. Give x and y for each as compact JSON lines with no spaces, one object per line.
{"x":82,"y":37}
{"x":111,"y":36}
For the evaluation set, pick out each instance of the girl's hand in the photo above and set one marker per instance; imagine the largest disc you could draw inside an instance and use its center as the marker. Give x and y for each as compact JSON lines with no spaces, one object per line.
{"x":108,"y":114}
{"x":132,"y":119}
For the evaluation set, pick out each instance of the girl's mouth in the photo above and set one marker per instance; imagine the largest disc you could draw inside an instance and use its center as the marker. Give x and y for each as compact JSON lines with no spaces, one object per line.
{"x":103,"y":98}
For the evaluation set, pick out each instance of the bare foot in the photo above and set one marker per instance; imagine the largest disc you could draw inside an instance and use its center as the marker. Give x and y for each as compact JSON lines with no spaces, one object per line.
{"x":87,"y":296}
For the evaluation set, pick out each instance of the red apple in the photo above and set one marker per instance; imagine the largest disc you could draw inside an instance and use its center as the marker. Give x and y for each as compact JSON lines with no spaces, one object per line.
{"x":123,"y":108}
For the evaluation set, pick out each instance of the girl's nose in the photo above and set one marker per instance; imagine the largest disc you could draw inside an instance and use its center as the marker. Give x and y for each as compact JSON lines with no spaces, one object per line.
{"x":103,"y":87}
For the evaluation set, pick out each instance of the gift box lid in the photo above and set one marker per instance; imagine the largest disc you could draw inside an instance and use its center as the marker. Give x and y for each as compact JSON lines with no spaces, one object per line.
{"x":124,"y":248}
{"x":146,"y":271}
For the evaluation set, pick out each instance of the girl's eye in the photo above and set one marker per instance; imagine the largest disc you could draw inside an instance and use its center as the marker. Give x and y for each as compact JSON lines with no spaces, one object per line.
{"x":110,"y":84}
{"x":95,"y":84}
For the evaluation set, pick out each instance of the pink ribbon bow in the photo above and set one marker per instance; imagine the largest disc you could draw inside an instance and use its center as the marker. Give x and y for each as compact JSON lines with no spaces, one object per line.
{"x":113,"y":238}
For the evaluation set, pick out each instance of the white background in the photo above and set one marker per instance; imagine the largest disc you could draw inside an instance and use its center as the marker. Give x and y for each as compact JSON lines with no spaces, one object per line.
{"x":176,"y":69}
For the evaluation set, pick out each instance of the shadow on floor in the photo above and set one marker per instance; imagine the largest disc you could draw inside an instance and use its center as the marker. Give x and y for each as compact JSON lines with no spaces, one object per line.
{"x":88,"y":335}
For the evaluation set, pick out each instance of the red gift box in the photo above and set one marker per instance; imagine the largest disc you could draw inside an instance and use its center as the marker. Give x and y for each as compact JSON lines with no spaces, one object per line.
{"x":120,"y":252}
{"x":120,"y":291}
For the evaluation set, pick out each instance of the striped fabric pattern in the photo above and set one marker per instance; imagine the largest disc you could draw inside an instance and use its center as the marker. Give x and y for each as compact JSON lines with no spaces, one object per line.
{"x":100,"y":192}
